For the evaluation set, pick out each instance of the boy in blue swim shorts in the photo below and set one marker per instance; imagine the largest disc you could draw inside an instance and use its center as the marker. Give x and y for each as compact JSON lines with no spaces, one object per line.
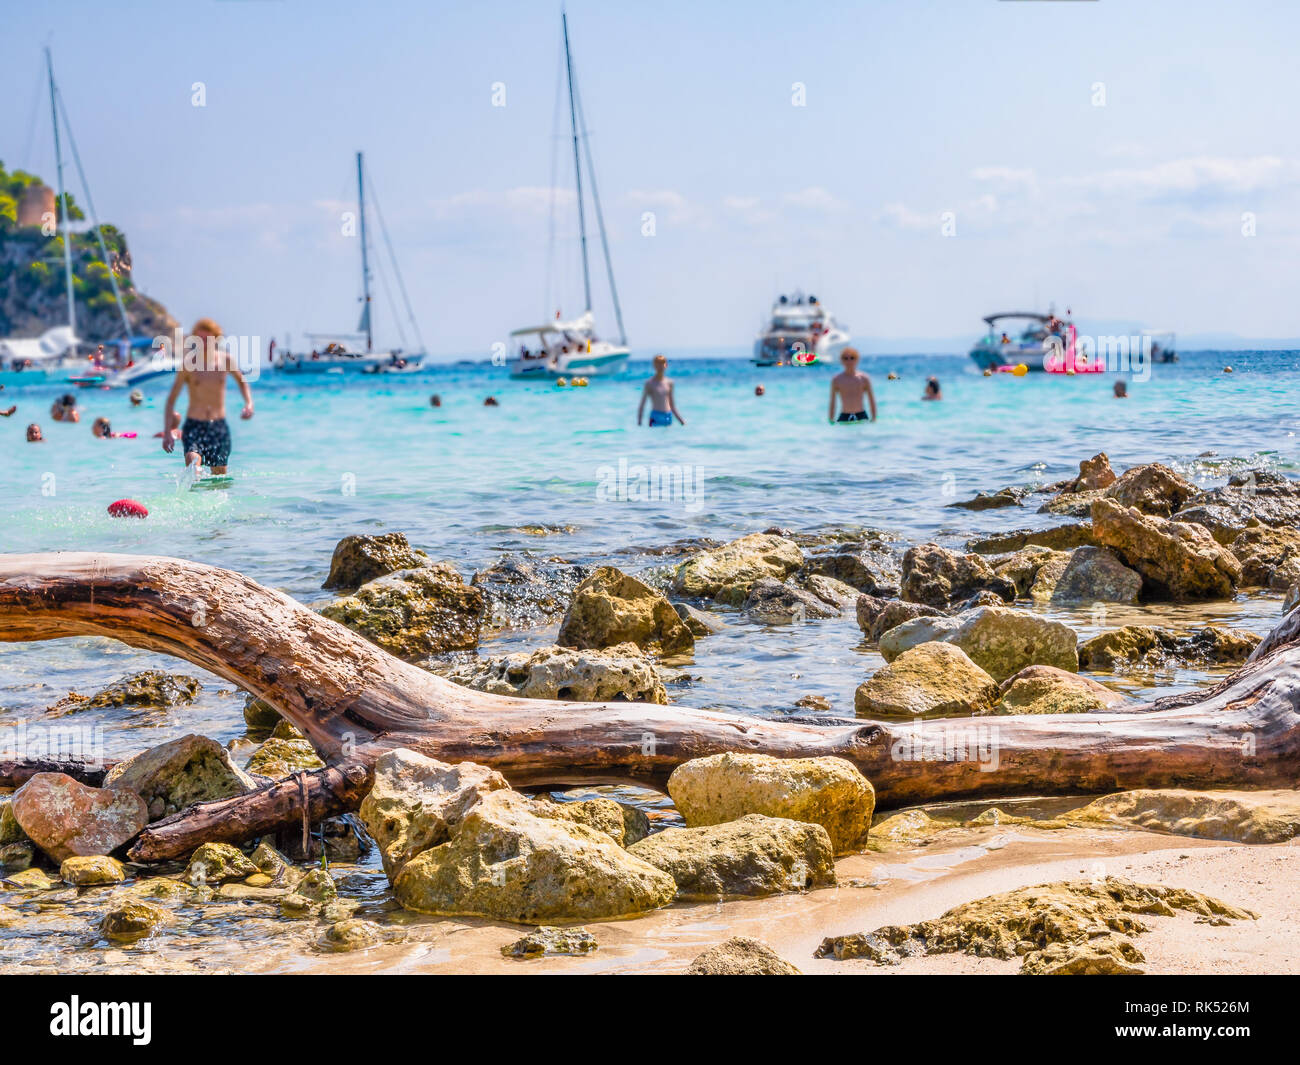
{"x":659,"y":391}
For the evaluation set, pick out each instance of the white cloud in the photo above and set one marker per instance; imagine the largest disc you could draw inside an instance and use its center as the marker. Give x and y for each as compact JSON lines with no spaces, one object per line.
{"x":813,"y":198}
{"x":1195,"y":176}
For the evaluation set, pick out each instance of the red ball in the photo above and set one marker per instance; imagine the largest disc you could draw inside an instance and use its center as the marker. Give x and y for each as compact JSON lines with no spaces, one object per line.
{"x":128,"y":508}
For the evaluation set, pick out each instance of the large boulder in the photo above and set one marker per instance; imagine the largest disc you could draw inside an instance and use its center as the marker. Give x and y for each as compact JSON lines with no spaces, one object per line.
{"x":1095,"y":574}
{"x":727,"y":573}
{"x":1177,"y":560}
{"x":360,"y":559}
{"x":1000,"y":640}
{"x":830,"y":792}
{"x":611,"y":608}
{"x":1255,"y":497}
{"x":604,"y":815}
{"x":941,"y":578}
{"x":1048,"y":690}
{"x":612,"y":674}
{"x":417,"y":802}
{"x":752,"y":856}
{"x":1022,"y":567}
{"x":741,"y":956}
{"x":507,"y":863}
{"x":522,"y":591}
{"x":66,"y":819}
{"x":414,"y":612}
{"x":774,"y":603}
{"x":179,"y":773}
{"x":1153,"y":489}
{"x":1270,"y":558}
{"x":930,"y":680}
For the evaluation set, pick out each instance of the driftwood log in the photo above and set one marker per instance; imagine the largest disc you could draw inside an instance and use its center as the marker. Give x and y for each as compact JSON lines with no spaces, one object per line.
{"x":355,"y":701}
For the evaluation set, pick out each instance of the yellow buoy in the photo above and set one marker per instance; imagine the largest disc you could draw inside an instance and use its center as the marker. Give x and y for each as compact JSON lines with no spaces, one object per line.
{"x":581,"y":382}
{"x":560,"y":382}
{"x":1020,"y":370}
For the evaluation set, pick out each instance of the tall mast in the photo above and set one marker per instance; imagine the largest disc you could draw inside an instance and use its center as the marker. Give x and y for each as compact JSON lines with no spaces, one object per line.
{"x":577,"y":165}
{"x":365,"y":264}
{"x":600,"y":222}
{"x":67,"y":236}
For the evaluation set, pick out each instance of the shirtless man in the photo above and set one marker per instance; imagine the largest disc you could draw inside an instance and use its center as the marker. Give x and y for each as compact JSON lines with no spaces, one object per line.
{"x":205,"y":434}
{"x":659,"y":391}
{"x":850,"y":387}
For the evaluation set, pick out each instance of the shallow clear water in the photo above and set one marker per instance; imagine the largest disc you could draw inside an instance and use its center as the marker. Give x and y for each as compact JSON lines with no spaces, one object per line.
{"x":322,"y":460}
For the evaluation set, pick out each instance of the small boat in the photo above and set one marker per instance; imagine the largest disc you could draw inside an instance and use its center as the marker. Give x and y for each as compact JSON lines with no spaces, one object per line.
{"x":39,"y":360}
{"x":560,"y":348}
{"x":800,"y":332}
{"x":1044,"y":343}
{"x":1163,"y":344}
{"x":336,"y":355}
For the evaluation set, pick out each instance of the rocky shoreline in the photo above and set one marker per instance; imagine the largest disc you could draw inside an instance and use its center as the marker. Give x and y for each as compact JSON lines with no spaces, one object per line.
{"x":962,"y":635}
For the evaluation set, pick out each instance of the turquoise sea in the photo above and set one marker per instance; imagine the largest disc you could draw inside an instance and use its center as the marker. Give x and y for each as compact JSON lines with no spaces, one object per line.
{"x":324,"y":459}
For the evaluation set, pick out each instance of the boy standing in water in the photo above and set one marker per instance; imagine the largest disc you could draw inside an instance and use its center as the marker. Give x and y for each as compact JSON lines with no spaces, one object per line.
{"x":659,"y":391}
{"x":851,"y":386}
{"x":205,"y":434}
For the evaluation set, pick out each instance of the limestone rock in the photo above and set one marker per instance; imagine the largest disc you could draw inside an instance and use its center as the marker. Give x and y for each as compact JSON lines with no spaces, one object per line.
{"x":752,"y":856}
{"x":507,"y":863}
{"x":611,"y":608}
{"x":1057,"y":538}
{"x":1005,"y":497}
{"x":67,"y":819}
{"x":360,"y":559}
{"x":259,"y":715}
{"x":1153,"y":489}
{"x":414,"y":612}
{"x":130,"y":920}
{"x":150,"y":689}
{"x":941,"y":578}
{"x":551,"y":940}
{"x":877,"y":616}
{"x":1000,"y":640}
{"x":774,"y":603}
{"x":865,"y":567}
{"x":1094,"y":473}
{"x":1154,"y":648}
{"x":522,"y":591}
{"x":1176,"y":560}
{"x":1255,"y":497}
{"x":741,"y":956}
{"x":278,"y":758}
{"x":604,"y":815}
{"x":829,"y":791}
{"x":355,"y":934}
{"x":1048,"y":690}
{"x":1021,"y":567}
{"x":214,"y":863}
{"x":728,"y":572}
{"x":621,"y":673}
{"x":1238,"y":816}
{"x":92,"y":871}
{"x":1095,"y":574}
{"x":1270,"y":558}
{"x":697,"y":621}
{"x":179,"y":773}
{"x":417,"y":802}
{"x":929,"y":680}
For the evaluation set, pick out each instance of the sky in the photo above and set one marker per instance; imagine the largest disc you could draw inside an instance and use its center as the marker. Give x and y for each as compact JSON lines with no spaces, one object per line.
{"x":917,"y":164}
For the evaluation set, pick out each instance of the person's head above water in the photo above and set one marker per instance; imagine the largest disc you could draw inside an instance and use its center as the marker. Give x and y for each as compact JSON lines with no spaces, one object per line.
{"x":137,"y":397}
{"x":932,"y":386}
{"x":102,"y":428}
{"x":435,"y":400}
{"x":491,"y":401}
{"x":759,"y":390}
{"x":34,"y":434}
{"x":1121,"y":389}
{"x":67,"y":400}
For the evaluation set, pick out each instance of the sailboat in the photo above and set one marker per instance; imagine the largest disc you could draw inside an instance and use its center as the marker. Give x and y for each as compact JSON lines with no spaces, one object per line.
{"x":53,"y":355}
{"x":335,"y":353}
{"x":558,"y":348}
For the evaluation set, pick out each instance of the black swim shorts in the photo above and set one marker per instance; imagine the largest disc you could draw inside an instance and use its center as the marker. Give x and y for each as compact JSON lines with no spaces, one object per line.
{"x":854,"y":416}
{"x":210,"y":439}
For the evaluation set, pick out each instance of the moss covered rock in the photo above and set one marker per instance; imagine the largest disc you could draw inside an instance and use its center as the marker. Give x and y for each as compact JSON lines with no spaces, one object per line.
{"x":727,"y":573}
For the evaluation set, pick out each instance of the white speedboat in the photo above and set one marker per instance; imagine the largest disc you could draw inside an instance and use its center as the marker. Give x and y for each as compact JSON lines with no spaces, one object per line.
{"x":336,"y":355}
{"x":799,"y":332}
{"x":560,"y":348}
{"x":39,"y":360}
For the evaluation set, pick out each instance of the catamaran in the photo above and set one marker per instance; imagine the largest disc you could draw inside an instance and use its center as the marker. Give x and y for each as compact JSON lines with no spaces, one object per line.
{"x":800,"y":332}
{"x":340,"y":353}
{"x":558,"y":348}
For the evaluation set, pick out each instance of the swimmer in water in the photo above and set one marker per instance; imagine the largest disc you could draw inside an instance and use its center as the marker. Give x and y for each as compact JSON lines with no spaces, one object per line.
{"x":137,"y":397}
{"x":659,"y":391}
{"x":491,"y":401}
{"x":759,"y":390}
{"x":435,"y":400}
{"x":205,"y":434}
{"x":1121,"y":389}
{"x":34,"y":434}
{"x":65,"y":409}
{"x":850,"y":387}
{"x":932,"y":389}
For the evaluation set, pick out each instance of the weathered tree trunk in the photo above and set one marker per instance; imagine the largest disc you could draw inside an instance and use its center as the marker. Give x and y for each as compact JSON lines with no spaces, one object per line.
{"x":355,"y":701}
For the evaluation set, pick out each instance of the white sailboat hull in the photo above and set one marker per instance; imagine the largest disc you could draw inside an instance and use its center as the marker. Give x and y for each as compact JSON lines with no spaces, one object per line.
{"x":604,"y":360}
